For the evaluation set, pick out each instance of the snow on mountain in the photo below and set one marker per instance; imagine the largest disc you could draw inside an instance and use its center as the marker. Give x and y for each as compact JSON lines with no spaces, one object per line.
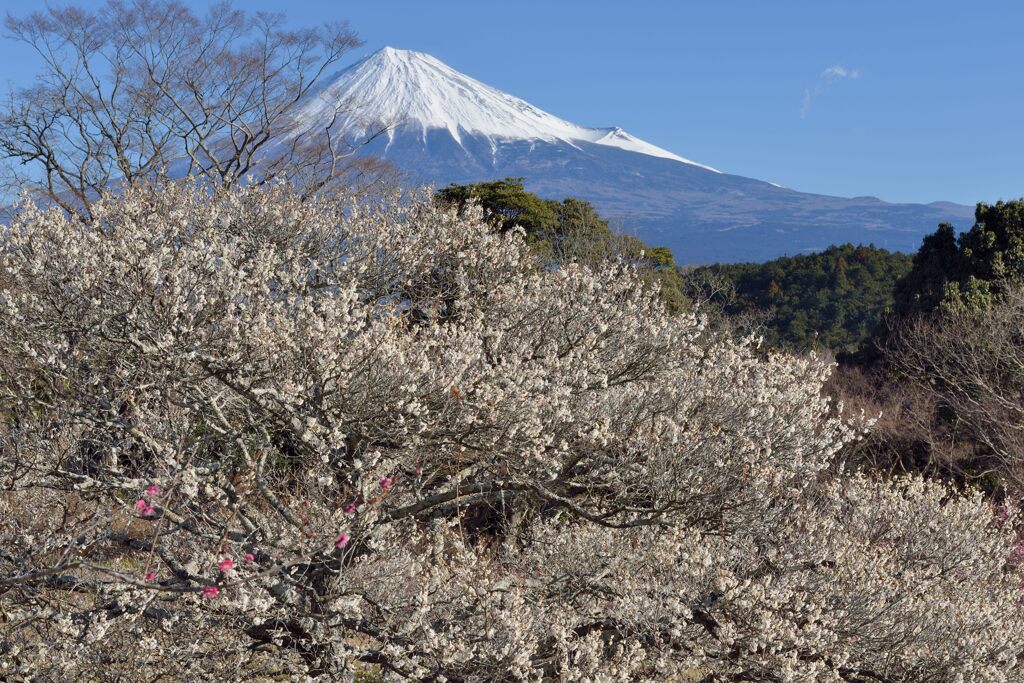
{"x":444,"y":127}
{"x":406,"y":90}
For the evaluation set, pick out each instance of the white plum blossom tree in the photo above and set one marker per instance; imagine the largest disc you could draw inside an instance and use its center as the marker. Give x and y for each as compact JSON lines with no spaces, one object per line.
{"x":251,"y":434}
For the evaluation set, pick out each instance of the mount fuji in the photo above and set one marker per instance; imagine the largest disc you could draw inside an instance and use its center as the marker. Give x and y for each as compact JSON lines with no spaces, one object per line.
{"x":444,"y":127}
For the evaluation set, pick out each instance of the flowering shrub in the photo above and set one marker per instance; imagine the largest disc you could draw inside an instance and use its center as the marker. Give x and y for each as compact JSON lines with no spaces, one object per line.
{"x":249,"y":434}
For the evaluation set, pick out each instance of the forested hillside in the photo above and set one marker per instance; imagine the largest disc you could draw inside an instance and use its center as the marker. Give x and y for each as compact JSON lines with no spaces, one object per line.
{"x":829,"y":300}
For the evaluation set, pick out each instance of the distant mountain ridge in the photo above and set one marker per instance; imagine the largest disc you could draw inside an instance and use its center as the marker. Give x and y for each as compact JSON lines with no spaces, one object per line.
{"x":447,"y":127}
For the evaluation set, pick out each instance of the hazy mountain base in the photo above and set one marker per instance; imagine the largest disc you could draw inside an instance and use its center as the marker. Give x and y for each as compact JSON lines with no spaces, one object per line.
{"x":704,"y":217}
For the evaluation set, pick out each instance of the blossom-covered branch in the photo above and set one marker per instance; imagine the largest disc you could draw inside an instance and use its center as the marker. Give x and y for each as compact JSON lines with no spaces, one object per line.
{"x":251,"y":432}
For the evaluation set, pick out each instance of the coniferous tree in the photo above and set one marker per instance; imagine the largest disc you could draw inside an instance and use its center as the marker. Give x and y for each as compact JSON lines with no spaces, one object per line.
{"x":951,"y":271}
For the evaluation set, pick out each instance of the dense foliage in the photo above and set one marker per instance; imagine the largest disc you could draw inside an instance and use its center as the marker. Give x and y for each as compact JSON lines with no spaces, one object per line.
{"x":832,"y":300}
{"x":249,"y":435}
{"x":966,"y":270}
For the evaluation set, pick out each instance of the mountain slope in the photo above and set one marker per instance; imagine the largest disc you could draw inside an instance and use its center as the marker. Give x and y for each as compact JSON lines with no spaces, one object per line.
{"x":412,"y":92}
{"x":447,"y":127}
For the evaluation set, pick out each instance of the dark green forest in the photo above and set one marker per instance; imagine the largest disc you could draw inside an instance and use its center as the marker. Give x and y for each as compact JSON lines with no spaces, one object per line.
{"x":833,"y":299}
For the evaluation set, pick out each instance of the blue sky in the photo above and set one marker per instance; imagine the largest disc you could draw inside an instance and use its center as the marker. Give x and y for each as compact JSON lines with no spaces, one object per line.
{"x":904,"y":100}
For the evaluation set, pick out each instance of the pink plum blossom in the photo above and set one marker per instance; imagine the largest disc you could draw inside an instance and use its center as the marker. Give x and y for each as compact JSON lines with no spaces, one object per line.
{"x":342,"y":540}
{"x":349,"y":508}
{"x":226,"y":565}
{"x":249,"y":558}
{"x":210,"y":592}
{"x":387,"y":482}
{"x":151,"y":576}
{"x":152,"y":490}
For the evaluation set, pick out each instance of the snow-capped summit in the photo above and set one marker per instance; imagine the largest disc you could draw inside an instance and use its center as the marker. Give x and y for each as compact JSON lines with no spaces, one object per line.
{"x":444,"y":127}
{"x":413,"y":91}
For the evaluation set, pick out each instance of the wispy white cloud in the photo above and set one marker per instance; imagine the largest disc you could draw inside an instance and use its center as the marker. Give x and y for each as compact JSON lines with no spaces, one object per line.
{"x":839,"y":71}
{"x":825,"y":81}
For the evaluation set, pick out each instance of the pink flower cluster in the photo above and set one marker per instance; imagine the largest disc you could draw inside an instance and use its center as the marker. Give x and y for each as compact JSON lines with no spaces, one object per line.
{"x":144,"y":507}
{"x":342,"y":540}
{"x":225,"y":565}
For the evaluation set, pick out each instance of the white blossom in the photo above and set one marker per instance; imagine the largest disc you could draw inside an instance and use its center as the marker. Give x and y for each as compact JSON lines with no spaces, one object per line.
{"x":428,"y":456}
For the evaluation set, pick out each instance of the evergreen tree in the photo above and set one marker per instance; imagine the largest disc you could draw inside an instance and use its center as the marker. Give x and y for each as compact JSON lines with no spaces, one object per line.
{"x":507,"y":204}
{"x":951,"y":271}
{"x":569,"y":231}
{"x":831,"y":299}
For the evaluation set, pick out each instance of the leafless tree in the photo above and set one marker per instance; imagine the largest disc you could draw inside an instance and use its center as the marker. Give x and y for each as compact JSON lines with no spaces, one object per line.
{"x":908,"y":436}
{"x":970,"y":366}
{"x":141,"y":88}
{"x":715,"y":295}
